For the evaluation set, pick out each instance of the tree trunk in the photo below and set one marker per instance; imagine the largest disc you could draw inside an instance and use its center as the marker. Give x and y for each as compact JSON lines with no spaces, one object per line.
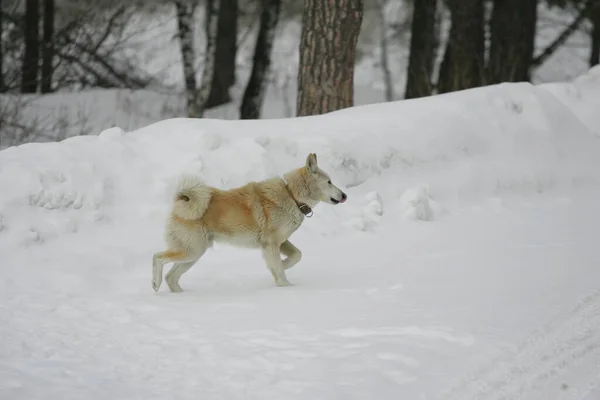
{"x":384,"y":59}
{"x":225,"y":53}
{"x":595,"y":49}
{"x":212,"y":29}
{"x":422,"y":49}
{"x":463,"y":64}
{"x":444,"y":77}
{"x":1,"y":49}
{"x":327,"y":55}
{"x":31,"y":56}
{"x":512,"y":37}
{"x":253,"y":96}
{"x":185,"y":16}
{"x":48,"y":50}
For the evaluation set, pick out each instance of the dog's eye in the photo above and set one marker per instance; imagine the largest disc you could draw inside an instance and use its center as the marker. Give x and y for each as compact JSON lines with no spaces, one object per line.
{"x":329,"y":182}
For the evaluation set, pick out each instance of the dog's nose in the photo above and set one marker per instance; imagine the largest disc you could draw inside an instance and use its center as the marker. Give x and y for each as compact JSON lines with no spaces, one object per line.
{"x":344,"y":197}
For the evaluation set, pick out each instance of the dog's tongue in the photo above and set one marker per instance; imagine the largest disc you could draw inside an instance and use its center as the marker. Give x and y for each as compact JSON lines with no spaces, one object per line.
{"x":343,"y":200}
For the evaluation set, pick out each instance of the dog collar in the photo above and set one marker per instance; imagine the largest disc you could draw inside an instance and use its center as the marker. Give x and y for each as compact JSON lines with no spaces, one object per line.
{"x":303,"y":207}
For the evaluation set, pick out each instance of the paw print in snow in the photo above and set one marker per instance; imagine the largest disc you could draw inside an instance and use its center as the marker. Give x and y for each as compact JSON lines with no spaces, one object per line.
{"x":517,"y":108}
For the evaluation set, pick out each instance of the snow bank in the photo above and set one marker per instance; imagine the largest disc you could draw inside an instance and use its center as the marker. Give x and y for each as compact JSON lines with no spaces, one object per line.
{"x":504,"y":140}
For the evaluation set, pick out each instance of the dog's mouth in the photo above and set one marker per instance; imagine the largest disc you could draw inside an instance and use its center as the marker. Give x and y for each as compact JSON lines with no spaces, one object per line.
{"x":336,"y":201}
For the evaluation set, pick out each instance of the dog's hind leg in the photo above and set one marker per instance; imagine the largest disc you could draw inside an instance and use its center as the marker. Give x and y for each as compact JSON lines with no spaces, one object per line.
{"x":273,"y":260}
{"x":181,"y":268}
{"x":292,"y":253}
{"x":175,"y":273}
{"x":160,"y":259}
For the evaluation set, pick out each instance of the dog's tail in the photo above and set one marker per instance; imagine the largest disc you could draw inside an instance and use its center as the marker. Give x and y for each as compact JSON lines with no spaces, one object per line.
{"x":191,"y":198}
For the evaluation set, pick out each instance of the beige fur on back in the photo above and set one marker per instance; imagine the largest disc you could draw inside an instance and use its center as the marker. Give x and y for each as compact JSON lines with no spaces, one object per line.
{"x":254,"y":214}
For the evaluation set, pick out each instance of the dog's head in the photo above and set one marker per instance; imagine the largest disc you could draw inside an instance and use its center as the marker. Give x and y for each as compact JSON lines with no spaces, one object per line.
{"x":320,"y":186}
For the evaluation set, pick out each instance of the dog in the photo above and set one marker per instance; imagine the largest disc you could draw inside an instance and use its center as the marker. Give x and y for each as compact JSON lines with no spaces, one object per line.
{"x":261,"y":215}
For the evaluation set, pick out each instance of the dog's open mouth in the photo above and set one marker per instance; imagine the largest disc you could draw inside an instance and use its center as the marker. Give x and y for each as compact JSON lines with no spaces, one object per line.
{"x":335,"y":201}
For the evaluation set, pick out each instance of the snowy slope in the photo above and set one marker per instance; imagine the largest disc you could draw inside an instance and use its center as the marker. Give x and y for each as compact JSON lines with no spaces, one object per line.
{"x":463,"y":265}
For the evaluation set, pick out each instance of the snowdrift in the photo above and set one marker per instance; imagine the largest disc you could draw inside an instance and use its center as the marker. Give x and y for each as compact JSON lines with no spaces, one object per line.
{"x":434,"y":155}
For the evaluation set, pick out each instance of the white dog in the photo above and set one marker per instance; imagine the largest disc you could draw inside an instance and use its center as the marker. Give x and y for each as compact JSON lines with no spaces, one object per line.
{"x":258,"y":215}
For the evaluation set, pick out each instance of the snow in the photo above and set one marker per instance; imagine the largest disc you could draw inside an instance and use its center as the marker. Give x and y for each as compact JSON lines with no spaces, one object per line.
{"x":462,"y":266}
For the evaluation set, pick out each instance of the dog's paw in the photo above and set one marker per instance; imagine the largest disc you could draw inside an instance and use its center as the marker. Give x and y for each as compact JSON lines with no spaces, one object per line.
{"x":156,"y":283}
{"x":283,"y":283}
{"x":174,"y":287}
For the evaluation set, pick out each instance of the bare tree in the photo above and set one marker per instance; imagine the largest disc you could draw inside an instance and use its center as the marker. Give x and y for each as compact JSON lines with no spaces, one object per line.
{"x":463,"y":63}
{"x":327,"y":55}
{"x":47,"y":50}
{"x":19,"y":122}
{"x":185,"y":17}
{"x":225,"y":53}
{"x":198,"y":105}
{"x":1,"y":48}
{"x":383,"y":57}
{"x":422,"y":49}
{"x":254,"y":93}
{"x":564,"y":35}
{"x":80,"y":48}
{"x":91,"y":51}
{"x":30,"y":62}
{"x":595,"y":34}
{"x":212,"y":30}
{"x":512,"y":38}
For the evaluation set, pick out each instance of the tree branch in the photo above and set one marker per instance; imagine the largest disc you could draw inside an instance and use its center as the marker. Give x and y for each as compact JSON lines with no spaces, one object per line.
{"x":563,"y":37}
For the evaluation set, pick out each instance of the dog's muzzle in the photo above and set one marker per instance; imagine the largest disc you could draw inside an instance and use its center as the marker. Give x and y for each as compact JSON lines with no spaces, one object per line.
{"x":342,"y":200}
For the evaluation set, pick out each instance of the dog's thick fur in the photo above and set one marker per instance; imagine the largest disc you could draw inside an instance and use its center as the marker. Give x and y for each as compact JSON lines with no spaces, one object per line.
{"x":258,"y":215}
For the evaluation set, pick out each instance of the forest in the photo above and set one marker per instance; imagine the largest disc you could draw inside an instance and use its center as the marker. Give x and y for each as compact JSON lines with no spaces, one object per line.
{"x":224,"y":53}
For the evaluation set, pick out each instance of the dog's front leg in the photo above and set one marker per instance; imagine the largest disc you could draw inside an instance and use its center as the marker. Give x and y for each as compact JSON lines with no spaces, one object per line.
{"x":158,"y":263}
{"x":292,"y":253}
{"x":273,"y":260}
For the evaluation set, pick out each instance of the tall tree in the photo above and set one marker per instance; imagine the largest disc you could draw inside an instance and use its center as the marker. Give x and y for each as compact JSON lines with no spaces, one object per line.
{"x":385,"y":65}
{"x":225,"y":53}
{"x":327,"y":55}
{"x":254,"y":93}
{"x":48,"y":48}
{"x":31,"y":56}
{"x":212,"y":30}
{"x":422,"y":49}
{"x":463,"y":63}
{"x":185,"y":16}
{"x":512,"y":39}
{"x":1,"y":48}
{"x":595,"y":45}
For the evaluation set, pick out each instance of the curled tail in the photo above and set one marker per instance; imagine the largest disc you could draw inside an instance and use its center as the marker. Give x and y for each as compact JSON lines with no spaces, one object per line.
{"x":191,"y":198}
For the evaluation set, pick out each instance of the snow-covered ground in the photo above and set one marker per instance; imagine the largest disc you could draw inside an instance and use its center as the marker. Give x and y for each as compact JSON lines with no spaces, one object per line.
{"x":463,"y":266}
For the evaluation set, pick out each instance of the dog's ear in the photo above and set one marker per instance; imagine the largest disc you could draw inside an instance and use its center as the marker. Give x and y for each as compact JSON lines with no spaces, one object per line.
{"x":311,"y":162}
